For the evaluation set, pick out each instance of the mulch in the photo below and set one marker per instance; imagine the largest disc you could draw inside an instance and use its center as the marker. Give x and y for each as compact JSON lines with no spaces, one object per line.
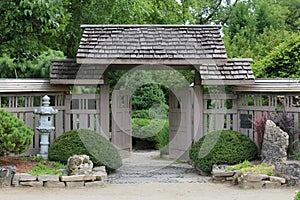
{"x":23,"y":164}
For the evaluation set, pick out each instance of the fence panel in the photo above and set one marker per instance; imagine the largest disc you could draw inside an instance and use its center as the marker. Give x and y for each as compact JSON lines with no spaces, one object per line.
{"x":22,"y":105}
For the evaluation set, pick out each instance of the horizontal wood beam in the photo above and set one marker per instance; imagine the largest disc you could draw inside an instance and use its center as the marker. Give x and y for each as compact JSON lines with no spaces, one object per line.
{"x":77,"y":81}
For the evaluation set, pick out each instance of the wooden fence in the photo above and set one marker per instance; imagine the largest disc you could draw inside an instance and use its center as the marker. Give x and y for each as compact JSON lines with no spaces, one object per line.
{"x":220,"y":111}
{"x":240,"y":111}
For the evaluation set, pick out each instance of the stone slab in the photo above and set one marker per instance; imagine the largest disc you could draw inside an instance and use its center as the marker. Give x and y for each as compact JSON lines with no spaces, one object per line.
{"x":48,"y":178}
{"x":76,"y":184}
{"x":95,"y":184}
{"x":31,"y":183}
{"x":224,"y":173}
{"x":277,"y":179}
{"x":100,"y":176}
{"x":99,"y":169}
{"x":271,"y":185}
{"x":54,"y":184}
{"x":23,"y":177}
{"x":251,"y":185}
{"x":78,"y":178}
{"x":254,"y":177}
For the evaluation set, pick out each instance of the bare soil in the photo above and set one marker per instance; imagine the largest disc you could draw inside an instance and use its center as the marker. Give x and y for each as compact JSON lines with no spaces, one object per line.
{"x":23,"y":164}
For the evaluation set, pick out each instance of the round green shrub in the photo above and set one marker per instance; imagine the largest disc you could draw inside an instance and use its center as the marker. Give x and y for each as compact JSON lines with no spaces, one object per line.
{"x":15,"y":136}
{"x":152,"y":130}
{"x":222,"y":147}
{"x":86,"y":142}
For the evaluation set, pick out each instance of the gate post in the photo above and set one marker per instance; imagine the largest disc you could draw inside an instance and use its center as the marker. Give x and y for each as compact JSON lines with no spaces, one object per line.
{"x":198,"y":127}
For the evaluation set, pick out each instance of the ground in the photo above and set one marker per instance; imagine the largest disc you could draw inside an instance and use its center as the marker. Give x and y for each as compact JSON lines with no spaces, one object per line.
{"x":144,"y":176}
{"x":23,"y":164}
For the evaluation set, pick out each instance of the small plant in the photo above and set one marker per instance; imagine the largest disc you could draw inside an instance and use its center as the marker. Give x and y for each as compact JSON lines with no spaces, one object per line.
{"x":41,"y":168}
{"x":15,"y":136}
{"x":297,"y":197}
{"x":260,"y":124}
{"x":239,"y":166}
{"x":263,"y":168}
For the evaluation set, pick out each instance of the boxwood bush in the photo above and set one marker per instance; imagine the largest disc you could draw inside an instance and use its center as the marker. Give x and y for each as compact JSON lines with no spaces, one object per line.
{"x":156,"y":130}
{"x":15,"y":136}
{"x":222,"y":147}
{"x":87,"y":142}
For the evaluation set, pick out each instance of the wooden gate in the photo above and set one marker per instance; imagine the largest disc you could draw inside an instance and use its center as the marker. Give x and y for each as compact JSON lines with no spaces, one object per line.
{"x":180,"y":115}
{"x":121,"y":121}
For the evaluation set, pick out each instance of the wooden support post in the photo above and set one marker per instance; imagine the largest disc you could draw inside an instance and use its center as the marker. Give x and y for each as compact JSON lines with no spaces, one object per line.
{"x":198,"y":129}
{"x":104,"y":110}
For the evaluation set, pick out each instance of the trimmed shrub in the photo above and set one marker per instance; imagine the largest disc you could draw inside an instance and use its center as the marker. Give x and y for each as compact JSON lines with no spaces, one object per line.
{"x":87,"y":142}
{"x":222,"y":147}
{"x":162,"y":138}
{"x":15,"y":136}
{"x":151,"y":130}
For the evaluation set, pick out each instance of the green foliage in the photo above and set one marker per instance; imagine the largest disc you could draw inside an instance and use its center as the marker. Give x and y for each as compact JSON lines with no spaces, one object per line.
{"x":263,"y":168}
{"x":147,"y":96}
{"x":283,"y":61}
{"x":245,"y":164}
{"x":296,"y":154}
{"x":87,"y":142}
{"x":162,"y":137}
{"x":222,"y":147}
{"x":151,"y":130}
{"x":38,"y":68}
{"x":26,"y":26}
{"x":44,"y":168}
{"x":15,"y":136}
{"x":297,"y":197}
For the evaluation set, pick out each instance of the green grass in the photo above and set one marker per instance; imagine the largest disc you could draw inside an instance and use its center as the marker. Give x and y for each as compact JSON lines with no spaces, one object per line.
{"x":50,"y":168}
{"x":245,"y":164}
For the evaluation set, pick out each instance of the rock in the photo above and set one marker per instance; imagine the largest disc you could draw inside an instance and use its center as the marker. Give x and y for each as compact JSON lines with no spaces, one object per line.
{"x":78,"y":178}
{"x":76,"y":184}
{"x":251,"y":185}
{"x":80,"y":164}
{"x":6,"y":175}
{"x":224,"y":174}
{"x":23,"y":177}
{"x":54,"y":184}
{"x":271,"y":185}
{"x":277,"y":179}
{"x":275,"y":144}
{"x":48,"y":178}
{"x":254,"y":177}
{"x":99,"y":169}
{"x":102,"y":176}
{"x":31,"y":183}
{"x":95,"y":184}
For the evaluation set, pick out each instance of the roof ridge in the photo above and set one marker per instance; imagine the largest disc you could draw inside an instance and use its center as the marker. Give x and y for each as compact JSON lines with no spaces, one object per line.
{"x":149,"y":25}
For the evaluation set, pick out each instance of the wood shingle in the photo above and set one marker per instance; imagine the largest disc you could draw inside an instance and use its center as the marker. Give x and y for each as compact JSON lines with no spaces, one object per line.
{"x":137,"y":44}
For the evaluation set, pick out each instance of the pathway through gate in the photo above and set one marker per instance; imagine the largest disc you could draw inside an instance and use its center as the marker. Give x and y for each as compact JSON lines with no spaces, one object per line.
{"x":147,"y":167}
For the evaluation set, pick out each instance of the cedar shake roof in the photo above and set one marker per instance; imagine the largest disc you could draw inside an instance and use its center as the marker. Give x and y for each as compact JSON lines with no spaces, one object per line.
{"x":139,"y":44}
{"x":67,"y":71}
{"x":126,"y":46}
{"x":235,"y":69}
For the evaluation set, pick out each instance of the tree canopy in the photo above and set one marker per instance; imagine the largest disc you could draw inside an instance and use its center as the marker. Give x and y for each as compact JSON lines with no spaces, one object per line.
{"x":252,"y":28}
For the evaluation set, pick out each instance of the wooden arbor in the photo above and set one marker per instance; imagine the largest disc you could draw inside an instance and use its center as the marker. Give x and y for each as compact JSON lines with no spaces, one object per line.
{"x":180,"y":47}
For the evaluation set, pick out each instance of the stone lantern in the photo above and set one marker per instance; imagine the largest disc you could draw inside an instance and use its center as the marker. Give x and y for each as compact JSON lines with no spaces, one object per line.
{"x":46,"y":125}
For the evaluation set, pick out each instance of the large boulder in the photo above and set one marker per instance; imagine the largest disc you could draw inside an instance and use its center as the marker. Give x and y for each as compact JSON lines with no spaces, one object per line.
{"x":275,"y":144}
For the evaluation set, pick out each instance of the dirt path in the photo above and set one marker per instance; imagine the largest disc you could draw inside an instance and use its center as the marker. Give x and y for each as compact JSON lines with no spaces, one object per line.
{"x":150,"y":191}
{"x":144,"y":177}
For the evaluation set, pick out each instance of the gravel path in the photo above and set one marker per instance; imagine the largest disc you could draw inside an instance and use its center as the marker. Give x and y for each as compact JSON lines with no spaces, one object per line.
{"x":147,"y":167}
